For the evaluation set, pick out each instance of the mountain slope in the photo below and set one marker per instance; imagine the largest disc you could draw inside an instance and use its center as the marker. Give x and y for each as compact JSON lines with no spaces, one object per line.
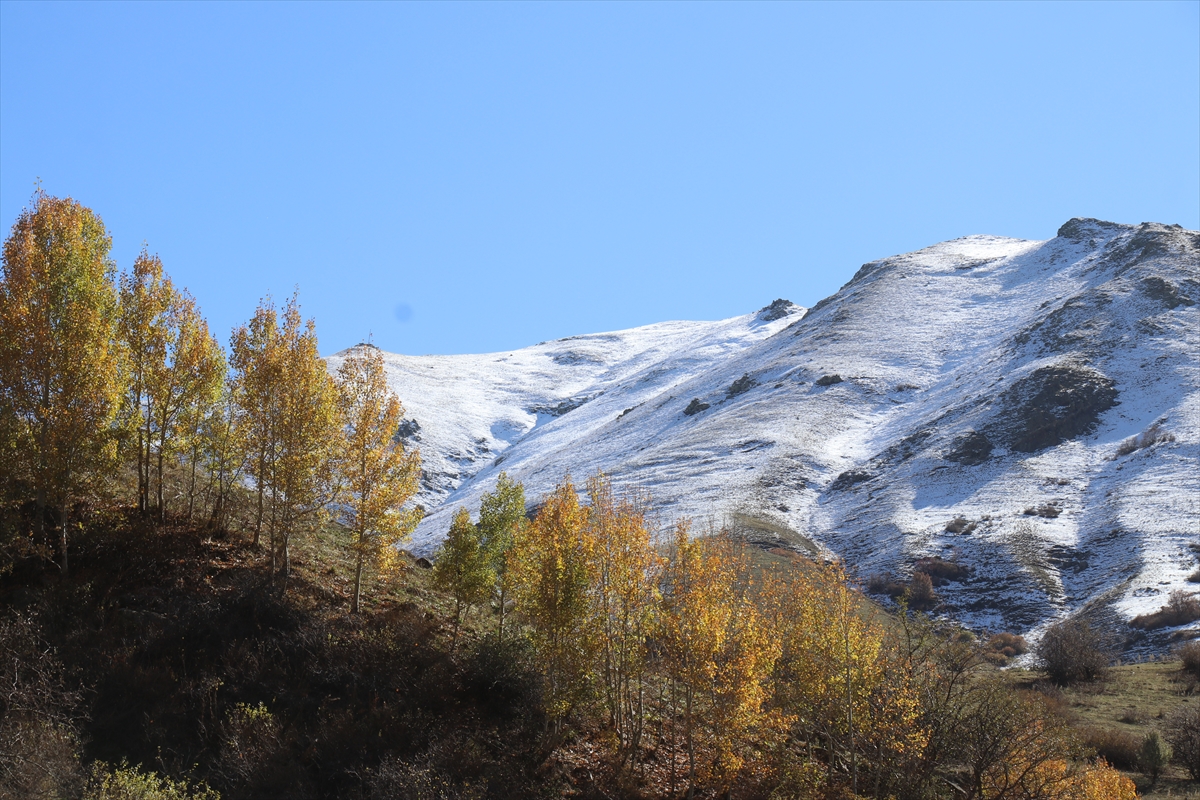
{"x":972,"y":380}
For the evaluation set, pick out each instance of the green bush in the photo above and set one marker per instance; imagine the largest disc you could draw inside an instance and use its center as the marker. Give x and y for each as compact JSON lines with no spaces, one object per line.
{"x":130,"y":783}
{"x":1154,"y":755}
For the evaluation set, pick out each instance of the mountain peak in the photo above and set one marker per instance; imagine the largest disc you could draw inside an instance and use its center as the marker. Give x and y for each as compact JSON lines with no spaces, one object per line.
{"x":995,"y":409}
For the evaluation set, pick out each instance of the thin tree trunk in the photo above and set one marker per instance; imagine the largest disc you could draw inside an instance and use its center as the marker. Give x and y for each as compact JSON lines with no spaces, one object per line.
{"x":63,"y":521}
{"x":39,"y":522}
{"x":262,"y":464}
{"x":691,"y":748}
{"x":162,"y":510}
{"x":358,"y":569}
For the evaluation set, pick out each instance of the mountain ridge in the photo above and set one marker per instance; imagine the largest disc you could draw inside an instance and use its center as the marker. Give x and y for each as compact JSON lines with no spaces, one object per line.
{"x":975,"y":379}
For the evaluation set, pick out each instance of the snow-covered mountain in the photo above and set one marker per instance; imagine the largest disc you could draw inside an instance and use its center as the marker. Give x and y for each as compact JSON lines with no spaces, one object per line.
{"x":968,"y":401}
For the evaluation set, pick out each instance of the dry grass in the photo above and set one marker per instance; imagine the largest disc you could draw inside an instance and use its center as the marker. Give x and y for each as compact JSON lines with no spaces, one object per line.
{"x":1102,"y":714}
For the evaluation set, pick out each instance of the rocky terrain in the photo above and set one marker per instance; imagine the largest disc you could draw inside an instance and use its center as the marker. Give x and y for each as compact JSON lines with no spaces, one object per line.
{"x":1026,"y":410}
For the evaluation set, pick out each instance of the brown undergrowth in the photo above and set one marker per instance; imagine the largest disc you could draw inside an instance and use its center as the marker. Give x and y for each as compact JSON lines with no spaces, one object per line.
{"x":176,"y":652}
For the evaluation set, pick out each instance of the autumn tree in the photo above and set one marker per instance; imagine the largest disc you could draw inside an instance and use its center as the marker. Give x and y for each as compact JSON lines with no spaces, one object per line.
{"x":257,"y":374}
{"x":60,"y":364}
{"x":223,"y":449}
{"x":549,"y":562}
{"x":845,"y":690}
{"x":718,"y":651}
{"x":145,"y":296}
{"x":624,"y":603}
{"x":290,"y":410}
{"x":376,"y":475}
{"x":462,"y":567}
{"x":501,"y":514}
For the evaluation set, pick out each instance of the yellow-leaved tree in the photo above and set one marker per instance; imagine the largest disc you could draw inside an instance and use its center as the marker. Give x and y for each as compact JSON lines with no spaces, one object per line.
{"x":718,"y":651}
{"x":257,"y":373}
{"x":549,"y":563}
{"x":377,"y":476}
{"x":145,"y":300}
{"x":463,"y":568}
{"x":624,"y":601}
{"x":843,"y":688}
{"x":292,"y":420}
{"x":60,"y":362}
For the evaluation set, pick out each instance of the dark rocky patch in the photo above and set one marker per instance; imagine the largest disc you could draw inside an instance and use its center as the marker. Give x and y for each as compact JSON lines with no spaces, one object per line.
{"x":1081,"y":228}
{"x":970,"y":449}
{"x":740,"y":386}
{"x":829,"y":380}
{"x":849,"y":478}
{"x":1068,"y":559}
{"x":563,"y":407}
{"x":776,"y":310}
{"x":571,"y":358}
{"x":1165,"y":292}
{"x":406,"y":430}
{"x":695,"y":407}
{"x":1064,"y":326}
{"x":1153,"y":242}
{"x":1053,"y":404}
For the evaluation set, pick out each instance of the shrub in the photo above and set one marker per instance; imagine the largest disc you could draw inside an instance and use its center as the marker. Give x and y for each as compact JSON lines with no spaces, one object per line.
{"x":1151,"y":436}
{"x":942,"y":571}
{"x":1154,"y":755}
{"x":130,"y":783}
{"x":1115,"y":746}
{"x":921,"y":595}
{"x":1008,"y":644}
{"x":885,"y":583}
{"x":1134,"y":716}
{"x":1071,"y":651}
{"x":1182,"y":730}
{"x":960,"y":525}
{"x":1189,"y":655}
{"x":1181,"y":608}
{"x":1047,"y":510}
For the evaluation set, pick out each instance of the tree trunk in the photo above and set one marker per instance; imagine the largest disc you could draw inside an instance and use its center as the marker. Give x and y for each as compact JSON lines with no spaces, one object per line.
{"x":358,"y":569}
{"x":502,"y":599}
{"x":39,"y":521}
{"x":63,"y":521}
{"x":691,"y":748}
{"x":162,"y":511}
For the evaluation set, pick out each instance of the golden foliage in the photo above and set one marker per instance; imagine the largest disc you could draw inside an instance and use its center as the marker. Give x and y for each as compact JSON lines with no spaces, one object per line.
{"x":60,"y":366}
{"x":376,"y":475}
{"x":718,"y":650}
{"x":550,"y":563}
{"x":289,"y":407}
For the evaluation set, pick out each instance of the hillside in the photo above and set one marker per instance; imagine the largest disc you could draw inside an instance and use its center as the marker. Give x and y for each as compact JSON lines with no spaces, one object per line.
{"x":968,"y":401}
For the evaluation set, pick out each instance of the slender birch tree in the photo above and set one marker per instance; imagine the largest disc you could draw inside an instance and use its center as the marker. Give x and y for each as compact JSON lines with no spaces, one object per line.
{"x":501,"y":515}
{"x":377,"y":476}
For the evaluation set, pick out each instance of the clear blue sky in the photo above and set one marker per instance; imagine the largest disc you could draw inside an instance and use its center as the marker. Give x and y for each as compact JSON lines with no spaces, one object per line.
{"x":476,"y":177}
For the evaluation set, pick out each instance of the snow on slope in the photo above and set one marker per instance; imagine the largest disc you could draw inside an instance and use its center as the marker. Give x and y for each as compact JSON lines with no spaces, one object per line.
{"x":464,"y":412}
{"x":980,"y":377}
